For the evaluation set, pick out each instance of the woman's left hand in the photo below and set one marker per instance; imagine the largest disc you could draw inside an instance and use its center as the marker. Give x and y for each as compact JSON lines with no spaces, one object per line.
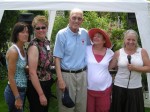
{"x":18,"y":103}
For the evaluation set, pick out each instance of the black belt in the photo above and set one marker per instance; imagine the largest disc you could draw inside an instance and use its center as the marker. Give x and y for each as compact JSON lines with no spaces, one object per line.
{"x":74,"y":71}
{"x":21,"y":89}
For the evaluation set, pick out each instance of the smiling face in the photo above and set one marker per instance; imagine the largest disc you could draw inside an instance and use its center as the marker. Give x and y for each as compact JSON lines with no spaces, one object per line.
{"x":20,"y":33}
{"x":98,"y":39}
{"x":130,"y":40}
{"x":23,"y":35}
{"x":75,"y":20}
{"x":40,"y":25}
{"x":40,"y":30}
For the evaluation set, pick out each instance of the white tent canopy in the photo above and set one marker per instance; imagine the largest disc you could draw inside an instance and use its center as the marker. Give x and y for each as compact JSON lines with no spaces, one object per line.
{"x":141,"y":8}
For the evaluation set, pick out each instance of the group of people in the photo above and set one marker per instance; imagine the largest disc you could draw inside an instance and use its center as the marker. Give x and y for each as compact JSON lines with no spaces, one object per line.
{"x":82,"y":62}
{"x":29,"y":70}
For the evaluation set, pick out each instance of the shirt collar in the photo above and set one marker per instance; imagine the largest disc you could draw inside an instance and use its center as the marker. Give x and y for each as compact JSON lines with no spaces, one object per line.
{"x":72,"y":33}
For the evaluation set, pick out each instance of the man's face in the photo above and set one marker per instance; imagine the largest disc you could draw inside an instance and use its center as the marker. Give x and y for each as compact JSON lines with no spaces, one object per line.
{"x":75,"y":21}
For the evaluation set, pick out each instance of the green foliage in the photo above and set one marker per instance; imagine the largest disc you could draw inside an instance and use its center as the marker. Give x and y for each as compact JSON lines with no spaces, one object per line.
{"x":3,"y":72}
{"x":6,"y":25}
{"x":117,"y":38}
{"x":92,"y":20}
{"x":60,"y":23}
{"x":144,"y":82}
{"x":3,"y":106}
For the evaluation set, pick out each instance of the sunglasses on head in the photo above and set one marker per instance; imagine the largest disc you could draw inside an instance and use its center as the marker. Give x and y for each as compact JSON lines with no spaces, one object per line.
{"x":38,"y":28}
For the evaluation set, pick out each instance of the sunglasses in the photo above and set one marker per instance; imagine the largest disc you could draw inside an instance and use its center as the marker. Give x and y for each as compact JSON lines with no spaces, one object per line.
{"x":38,"y":28}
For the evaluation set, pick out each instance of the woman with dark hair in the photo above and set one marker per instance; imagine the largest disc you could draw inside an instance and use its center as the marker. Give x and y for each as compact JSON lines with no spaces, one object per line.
{"x":16,"y":62}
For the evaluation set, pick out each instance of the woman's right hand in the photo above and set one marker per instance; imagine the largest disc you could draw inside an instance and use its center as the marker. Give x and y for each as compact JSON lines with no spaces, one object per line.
{"x":61,"y":85}
{"x":43,"y":100}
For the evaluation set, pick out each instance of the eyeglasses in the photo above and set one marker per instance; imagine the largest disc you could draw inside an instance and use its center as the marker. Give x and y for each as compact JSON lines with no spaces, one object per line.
{"x":38,"y":28}
{"x":77,"y":18}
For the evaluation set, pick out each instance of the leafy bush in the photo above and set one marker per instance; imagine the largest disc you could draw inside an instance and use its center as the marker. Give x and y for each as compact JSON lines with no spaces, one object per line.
{"x":117,"y":38}
{"x":3,"y":72}
{"x":92,"y":20}
{"x":60,"y":23}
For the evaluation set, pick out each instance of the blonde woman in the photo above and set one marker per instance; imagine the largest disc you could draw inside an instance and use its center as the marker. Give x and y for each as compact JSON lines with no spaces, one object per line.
{"x":39,"y":62}
{"x":131,"y":61}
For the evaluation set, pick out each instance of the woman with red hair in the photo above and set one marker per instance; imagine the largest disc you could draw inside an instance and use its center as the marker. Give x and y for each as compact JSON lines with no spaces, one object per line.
{"x":99,"y":79}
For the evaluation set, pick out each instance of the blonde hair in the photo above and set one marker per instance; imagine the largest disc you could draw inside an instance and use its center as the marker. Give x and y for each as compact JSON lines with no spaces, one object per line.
{"x":76,"y":10}
{"x":39,"y":18}
{"x":131,"y":31}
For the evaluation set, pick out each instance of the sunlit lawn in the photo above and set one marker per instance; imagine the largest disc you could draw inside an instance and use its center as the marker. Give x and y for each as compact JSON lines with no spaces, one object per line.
{"x":53,"y":101}
{"x":3,"y":106}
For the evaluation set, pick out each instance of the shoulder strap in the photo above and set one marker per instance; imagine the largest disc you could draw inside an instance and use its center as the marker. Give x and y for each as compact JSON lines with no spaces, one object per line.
{"x":18,"y":52}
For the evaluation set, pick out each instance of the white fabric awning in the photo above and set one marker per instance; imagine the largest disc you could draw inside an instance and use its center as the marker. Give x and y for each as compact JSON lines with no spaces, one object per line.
{"x":141,"y":8}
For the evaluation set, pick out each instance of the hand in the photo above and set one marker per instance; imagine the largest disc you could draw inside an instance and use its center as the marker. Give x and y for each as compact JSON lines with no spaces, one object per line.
{"x":61,"y":85}
{"x":18,"y":103}
{"x":43,"y":100}
{"x":27,"y":69}
{"x":131,"y":67}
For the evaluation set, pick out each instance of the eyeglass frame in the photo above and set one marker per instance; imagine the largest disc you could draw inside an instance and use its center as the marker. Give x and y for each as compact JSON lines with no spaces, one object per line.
{"x":39,"y":28}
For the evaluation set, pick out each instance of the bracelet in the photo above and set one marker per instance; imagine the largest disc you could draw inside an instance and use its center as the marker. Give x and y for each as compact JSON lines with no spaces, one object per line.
{"x":17,"y":97}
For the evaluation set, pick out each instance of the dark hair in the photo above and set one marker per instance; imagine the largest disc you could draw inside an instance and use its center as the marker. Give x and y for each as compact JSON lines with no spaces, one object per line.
{"x":19,"y":27}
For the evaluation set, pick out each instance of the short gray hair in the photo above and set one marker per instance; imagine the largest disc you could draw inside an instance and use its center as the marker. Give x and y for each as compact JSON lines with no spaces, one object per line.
{"x":76,"y":10}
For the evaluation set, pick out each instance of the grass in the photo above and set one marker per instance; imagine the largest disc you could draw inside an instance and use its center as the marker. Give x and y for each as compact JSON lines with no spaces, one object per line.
{"x":3,"y":107}
{"x":53,"y":102}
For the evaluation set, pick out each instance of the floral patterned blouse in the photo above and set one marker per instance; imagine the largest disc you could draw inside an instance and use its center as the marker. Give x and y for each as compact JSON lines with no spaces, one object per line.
{"x":45,"y":58}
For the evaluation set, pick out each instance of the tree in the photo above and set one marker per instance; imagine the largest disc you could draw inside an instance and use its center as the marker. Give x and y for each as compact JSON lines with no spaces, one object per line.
{"x":6,"y":25}
{"x":9,"y":19}
{"x":60,"y":22}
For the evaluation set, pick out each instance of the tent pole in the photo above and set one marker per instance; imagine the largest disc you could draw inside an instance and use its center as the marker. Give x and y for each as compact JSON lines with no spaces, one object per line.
{"x":51,"y":19}
{"x":1,"y":14}
{"x":143,"y":22}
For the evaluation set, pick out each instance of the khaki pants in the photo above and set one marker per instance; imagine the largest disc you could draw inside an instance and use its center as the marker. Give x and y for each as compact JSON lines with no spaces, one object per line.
{"x":77,"y":86}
